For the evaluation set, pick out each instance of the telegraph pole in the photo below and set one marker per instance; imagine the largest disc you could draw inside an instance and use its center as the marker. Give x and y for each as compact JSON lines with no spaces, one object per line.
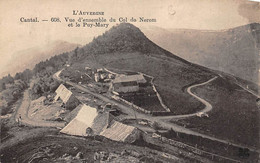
{"x":134,"y":112}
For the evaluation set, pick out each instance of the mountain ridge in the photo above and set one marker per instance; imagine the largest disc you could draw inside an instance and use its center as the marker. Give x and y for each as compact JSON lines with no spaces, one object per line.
{"x":233,"y":51}
{"x":125,"y":37}
{"x":27,"y":58}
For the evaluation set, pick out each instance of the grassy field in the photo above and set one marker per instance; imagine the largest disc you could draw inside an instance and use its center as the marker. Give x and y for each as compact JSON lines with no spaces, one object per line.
{"x":150,"y":103}
{"x":168,"y":83}
{"x":146,"y":97}
{"x":235,"y":115}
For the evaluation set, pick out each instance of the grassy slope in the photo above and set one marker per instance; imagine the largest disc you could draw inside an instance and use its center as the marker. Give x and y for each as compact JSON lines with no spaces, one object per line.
{"x":235,"y":115}
{"x":233,"y":51}
{"x":168,"y":83}
{"x":127,"y":48}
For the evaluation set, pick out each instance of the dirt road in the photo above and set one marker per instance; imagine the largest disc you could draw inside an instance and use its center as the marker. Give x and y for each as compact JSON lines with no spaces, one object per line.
{"x":23,"y":113}
{"x":162,"y":120}
{"x":207,"y":108}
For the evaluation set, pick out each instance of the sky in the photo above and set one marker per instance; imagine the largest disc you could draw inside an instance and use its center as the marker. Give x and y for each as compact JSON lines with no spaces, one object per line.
{"x":189,"y":14}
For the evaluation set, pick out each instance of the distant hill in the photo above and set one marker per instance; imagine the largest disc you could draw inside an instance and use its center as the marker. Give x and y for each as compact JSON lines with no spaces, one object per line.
{"x":29,"y":57}
{"x":233,"y":51}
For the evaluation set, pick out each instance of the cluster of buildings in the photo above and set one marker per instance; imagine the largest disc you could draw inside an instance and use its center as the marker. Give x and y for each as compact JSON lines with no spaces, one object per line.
{"x":103,"y":76}
{"x":91,"y":121}
{"x":120,"y":83}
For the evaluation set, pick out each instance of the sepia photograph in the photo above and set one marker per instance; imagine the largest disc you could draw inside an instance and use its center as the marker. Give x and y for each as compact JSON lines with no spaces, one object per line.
{"x":130,"y":81}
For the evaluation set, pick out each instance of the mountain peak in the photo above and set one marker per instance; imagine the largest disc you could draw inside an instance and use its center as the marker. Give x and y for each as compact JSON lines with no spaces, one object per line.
{"x":128,"y":26}
{"x":124,"y":37}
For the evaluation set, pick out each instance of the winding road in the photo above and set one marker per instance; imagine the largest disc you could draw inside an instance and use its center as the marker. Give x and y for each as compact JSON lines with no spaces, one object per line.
{"x":207,"y":108}
{"x":162,"y":120}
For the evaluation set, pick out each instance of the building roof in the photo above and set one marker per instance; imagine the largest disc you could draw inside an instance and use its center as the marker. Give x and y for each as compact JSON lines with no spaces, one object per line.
{"x":88,"y":117}
{"x":125,"y":84}
{"x":101,"y":123}
{"x":130,"y":78}
{"x":75,"y":127}
{"x":84,"y":119}
{"x":63,"y":93}
{"x":117,"y":131}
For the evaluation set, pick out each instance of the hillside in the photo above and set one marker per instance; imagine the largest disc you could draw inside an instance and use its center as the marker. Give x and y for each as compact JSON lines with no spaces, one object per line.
{"x":125,"y":38}
{"x":233,"y":51}
{"x":125,"y":47}
{"x":29,"y":57}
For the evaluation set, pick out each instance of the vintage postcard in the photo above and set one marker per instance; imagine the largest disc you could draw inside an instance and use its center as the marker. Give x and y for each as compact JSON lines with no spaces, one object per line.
{"x":129,"y":81}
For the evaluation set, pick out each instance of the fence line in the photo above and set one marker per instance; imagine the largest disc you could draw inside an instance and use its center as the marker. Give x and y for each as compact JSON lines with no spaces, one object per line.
{"x":157,"y":93}
{"x":137,"y":107}
{"x":155,"y":90}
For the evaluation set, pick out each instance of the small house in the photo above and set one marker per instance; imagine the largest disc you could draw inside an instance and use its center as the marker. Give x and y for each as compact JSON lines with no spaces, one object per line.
{"x":124,"y":87}
{"x":127,"y":83}
{"x":66,"y":96}
{"x":139,"y":78}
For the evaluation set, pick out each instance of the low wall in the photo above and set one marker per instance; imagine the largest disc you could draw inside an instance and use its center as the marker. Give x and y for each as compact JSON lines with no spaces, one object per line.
{"x":186,"y":147}
{"x":139,"y":108}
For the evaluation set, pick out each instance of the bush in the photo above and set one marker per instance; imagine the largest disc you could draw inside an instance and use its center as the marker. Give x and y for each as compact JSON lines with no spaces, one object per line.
{"x":156,"y":125}
{"x":9,"y":96}
{"x":45,"y":86}
{"x":72,"y":104}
